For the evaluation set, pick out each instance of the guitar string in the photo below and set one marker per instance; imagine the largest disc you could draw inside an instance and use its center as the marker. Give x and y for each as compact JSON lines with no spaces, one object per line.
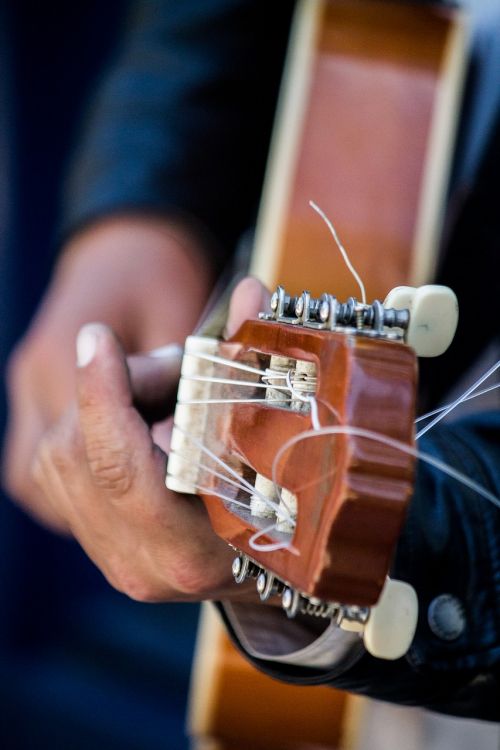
{"x":420,"y":455}
{"x":281,"y":513}
{"x":447,"y":408}
{"x":306,"y":398}
{"x":469,"y":398}
{"x":268,"y":374}
{"x":295,"y":393}
{"x":303,"y":486}
{"x":391,"y":442}
{"x":211,"y":492}
{"x":238,"y":383}
{"x":199,"y":401}
{"x":342,"y":249}
{"x":204,"y":467}
{"x":458,"y":401}
{"x":267,"y":547}
{"x":229,"y":381}
{"x":318,"y":430}
{"x":271,"y":546}
{"x":217,"y":493}
{"x":274,"y":546}
{"x":227,"y":362}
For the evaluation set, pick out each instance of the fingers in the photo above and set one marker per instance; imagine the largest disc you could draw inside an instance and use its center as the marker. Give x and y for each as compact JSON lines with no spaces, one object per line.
{"x":25,"y":428}
{"x":116,"y":439}
{"x":99,"y":468}
{"x":249,"y":298}
{"x":154,"y":379}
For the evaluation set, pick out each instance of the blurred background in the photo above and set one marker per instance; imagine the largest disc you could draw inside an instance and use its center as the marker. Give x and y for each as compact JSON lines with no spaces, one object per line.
{"x":81,"y":665}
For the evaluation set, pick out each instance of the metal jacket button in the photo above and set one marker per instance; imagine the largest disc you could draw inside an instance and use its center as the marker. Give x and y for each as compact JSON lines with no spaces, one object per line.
{"x":446,"y":617}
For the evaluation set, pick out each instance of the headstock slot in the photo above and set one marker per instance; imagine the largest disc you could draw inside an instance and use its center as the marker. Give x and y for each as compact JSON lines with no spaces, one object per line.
{"x":346,"y":524}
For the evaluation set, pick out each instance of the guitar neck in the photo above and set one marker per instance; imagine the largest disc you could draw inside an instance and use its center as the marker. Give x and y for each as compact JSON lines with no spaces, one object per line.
{"x":365,"y":128}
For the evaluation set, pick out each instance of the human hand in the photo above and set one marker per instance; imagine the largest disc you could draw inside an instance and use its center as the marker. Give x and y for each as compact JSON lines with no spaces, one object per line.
{"x":101,"y":472}
{"x":144,"y":277}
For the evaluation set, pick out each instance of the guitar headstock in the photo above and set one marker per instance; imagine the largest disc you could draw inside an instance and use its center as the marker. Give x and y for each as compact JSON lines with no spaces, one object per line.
{"x":289,"y":433}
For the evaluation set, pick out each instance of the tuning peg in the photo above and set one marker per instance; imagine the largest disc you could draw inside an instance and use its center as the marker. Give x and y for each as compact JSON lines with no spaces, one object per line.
{"x":433,"y":316}
{"x":392,"y":622}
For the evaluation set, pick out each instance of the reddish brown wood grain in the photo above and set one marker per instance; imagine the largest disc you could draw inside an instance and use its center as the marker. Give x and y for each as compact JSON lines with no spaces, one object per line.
{"x":352,"y":492}
{"x":376,"y":74}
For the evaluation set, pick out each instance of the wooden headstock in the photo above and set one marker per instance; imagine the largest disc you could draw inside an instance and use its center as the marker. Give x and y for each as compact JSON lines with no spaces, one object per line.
{"x":315,"y":510}
{"x":351,"y":493}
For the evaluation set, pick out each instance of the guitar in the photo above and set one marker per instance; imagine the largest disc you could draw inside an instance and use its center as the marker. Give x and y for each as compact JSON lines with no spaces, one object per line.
{"x":365,"y":127}
{"x":298,"y":435}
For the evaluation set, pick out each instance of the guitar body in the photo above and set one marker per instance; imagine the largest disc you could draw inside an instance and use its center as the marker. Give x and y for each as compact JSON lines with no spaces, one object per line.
{"x":365,"y":129}
{"x":235,"y":707}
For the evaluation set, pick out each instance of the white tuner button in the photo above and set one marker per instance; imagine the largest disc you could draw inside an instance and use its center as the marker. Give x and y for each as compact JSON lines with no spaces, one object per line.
{"x":400,"y":298}
{"x":433,"y":316}
{"x":393,"y":620}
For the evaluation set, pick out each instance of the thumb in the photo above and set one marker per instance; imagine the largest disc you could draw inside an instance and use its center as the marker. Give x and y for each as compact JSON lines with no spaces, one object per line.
{"x":248,"y":299}
{"x":115,"y":437}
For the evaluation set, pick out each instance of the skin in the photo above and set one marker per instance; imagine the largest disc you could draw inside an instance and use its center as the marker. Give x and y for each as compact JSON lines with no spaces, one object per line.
{"x":91,"y":464}
{"x":146,"y":278}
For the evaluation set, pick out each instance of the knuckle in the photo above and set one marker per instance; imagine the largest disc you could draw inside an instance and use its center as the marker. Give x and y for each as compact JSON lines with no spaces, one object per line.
{"x":192,"y":580}
{"x":111,"y":468}
{"x":135,"y":586}
{"x":28,"y":355}
{"x":56,"y":452}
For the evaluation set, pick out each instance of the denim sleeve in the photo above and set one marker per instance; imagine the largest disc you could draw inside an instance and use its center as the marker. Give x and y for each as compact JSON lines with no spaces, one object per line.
{"x":450,"y":545}
{"x":182,"y":122}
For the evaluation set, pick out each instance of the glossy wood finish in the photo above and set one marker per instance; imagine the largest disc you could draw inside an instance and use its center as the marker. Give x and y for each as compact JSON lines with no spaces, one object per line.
{"x":352,"y":492}
{"x":370,"y":107}
{"x":246,"y":710}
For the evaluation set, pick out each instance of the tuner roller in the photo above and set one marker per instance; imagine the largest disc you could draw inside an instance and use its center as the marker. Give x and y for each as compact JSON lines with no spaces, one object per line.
{"x":433,"y":316}
{"x":243,"y":568}
{"x":392,"y":623}
{"x":266,"y":585}
{"x":290,"y":601}
{"x":240,"y":568}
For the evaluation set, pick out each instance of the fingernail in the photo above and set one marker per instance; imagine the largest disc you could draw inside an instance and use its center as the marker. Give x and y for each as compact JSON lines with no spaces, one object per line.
{"x":86,"y":344}
{"x":170,"y":351}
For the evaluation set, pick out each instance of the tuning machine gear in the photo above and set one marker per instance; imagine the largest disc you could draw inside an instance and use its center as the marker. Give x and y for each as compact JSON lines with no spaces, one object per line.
{"x":425,"y":317}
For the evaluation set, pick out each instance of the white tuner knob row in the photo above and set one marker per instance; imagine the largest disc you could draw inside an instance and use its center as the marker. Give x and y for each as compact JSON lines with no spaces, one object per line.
{"x":433,"y":316}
